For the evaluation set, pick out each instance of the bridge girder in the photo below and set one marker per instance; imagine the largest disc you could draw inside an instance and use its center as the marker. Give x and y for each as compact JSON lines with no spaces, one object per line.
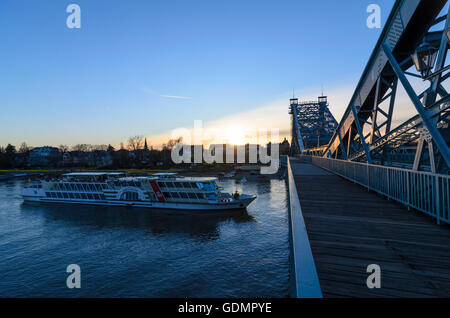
{"x":366,"y":131}
{"x":312,"y":124}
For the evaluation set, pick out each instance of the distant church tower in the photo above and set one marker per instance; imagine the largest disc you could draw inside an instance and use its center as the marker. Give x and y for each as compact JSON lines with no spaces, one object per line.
{"x":145,"y":144}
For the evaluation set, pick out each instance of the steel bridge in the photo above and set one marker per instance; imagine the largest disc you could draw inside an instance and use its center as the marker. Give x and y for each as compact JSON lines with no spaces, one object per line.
{"x":370,"y":145}
{"x":339,"y":229}
{"x":313,"y":126}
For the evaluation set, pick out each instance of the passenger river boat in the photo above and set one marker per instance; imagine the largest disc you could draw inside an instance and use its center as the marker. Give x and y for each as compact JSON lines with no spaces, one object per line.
{"x":159,"y":191}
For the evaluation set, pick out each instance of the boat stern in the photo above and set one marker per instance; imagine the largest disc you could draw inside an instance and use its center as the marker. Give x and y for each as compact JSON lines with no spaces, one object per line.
{"x":32,"y":193}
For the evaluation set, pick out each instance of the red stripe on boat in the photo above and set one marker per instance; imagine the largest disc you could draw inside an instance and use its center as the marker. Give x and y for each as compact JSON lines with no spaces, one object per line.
{"x":157,"y":191}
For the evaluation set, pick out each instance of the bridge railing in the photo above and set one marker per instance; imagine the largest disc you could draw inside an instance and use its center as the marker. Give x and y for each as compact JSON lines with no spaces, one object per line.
{"x":423,"y":191}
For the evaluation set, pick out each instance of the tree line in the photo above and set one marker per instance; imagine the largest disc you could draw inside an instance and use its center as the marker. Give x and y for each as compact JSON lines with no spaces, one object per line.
{"x":136,"y":153}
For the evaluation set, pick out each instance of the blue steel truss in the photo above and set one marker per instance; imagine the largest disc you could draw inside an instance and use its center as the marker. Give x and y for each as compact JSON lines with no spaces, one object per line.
{"x":413,"y":43}
{"x":313,"y":124}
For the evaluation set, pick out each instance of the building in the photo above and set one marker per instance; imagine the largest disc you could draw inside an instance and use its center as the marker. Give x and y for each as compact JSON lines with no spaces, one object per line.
{"x":44,"y":157}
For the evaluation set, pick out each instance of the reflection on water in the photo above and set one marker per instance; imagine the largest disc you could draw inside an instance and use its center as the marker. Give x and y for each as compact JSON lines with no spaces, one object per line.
{"x":154,"y":222}
{"x":127,"y":252}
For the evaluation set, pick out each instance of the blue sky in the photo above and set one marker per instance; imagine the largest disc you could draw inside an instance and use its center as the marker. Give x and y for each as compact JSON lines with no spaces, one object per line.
{"x":146,"y":67}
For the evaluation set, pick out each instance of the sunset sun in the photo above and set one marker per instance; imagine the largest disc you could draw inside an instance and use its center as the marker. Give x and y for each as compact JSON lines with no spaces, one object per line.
{"x":235,"y":135}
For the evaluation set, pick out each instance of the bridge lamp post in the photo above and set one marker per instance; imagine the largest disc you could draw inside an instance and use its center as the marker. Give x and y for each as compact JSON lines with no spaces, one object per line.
{"x":424,"y":59}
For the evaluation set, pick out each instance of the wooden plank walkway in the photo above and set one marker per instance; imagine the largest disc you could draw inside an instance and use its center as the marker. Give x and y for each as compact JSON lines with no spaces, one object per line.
{"x":350,"y":228}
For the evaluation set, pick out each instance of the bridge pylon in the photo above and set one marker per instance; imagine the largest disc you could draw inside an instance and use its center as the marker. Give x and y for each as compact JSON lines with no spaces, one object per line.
{"x":313,"y":124}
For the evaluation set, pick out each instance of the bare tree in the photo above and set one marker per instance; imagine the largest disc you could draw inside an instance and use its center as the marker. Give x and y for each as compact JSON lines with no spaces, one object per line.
{"x":172,"y":143}
{"x":24,"y":148}
{"x":81,"y":147}
{"x":99,"y":147}
{"x":135,"y":143}
{"x":63,"y":148}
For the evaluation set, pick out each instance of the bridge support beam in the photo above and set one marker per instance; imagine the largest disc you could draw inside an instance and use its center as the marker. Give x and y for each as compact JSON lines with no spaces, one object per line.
{"x":361,"y":135}
{"x":437,"y":137}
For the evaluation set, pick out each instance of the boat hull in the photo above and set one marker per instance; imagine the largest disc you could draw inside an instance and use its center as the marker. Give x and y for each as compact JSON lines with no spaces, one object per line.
{"x":219,"y":206}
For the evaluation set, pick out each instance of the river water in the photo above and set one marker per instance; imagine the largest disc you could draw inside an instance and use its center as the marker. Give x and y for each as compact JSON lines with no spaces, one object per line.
{"x":126,"y":252}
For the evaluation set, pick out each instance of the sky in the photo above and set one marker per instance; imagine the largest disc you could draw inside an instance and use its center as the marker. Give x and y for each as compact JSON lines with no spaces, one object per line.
{"x":148,"y":67}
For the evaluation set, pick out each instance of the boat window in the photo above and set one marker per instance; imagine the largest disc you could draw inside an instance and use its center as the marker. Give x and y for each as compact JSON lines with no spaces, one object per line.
{"x":84,"y":196}
{"x":167,"y":195}
{"x":47,"y":194}
{"x":162,"y":185}
{"x":77,"y":195}
{"x":175,"y":195}
{"x":192,"y":196}
{"x":59,"y":195}
{"x":184,"y":195}
{"x":209,"y":186}
{"x":71,"y":195}
{"x":65,"y":195}
{"x":186,"y":185}
{"x":200,"y":196}
{"x":90,"y":196}
{"x":102,"y":197}
{"x":130,"y":196}
{"x":170,"y":185}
